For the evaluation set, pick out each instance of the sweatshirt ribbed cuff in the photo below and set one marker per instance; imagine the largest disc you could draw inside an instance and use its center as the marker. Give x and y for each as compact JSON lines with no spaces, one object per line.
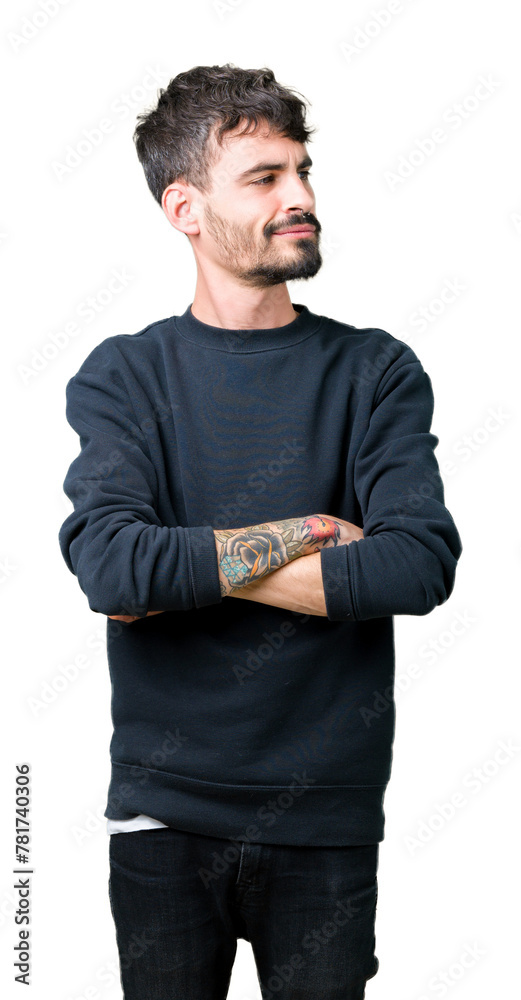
{"x":335,"y":580}
{"x":204,"y":570}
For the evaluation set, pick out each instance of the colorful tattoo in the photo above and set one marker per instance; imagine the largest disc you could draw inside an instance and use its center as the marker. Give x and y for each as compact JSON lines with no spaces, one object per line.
{"x":248,"y":554}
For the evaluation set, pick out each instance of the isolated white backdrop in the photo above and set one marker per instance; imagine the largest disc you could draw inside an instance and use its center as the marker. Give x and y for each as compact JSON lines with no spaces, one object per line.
{"x":381,"y":79}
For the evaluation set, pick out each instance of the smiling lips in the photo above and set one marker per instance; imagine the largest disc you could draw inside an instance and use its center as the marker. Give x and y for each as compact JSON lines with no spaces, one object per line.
{"x":296,"y":231}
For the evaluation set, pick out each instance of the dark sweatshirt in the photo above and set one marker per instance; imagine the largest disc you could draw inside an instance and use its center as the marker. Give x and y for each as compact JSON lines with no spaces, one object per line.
{"x":233,"y":718}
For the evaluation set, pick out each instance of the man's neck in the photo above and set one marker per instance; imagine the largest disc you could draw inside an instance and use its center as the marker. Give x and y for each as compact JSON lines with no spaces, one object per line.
{"x":240,"y":308}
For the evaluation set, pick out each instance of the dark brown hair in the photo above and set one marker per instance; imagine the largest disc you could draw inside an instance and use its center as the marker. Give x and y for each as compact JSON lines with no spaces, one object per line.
{"x":179,"y":138}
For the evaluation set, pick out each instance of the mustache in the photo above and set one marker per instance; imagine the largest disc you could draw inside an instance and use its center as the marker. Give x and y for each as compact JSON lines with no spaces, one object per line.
{"x":303,"y":218}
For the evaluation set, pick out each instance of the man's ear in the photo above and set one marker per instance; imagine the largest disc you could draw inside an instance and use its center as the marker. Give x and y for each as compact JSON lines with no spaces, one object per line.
{"x":181,"y":208}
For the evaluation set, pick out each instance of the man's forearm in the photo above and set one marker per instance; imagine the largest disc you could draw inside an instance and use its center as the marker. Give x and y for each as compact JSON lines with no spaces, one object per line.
{"x":249,"y":559}
{"x":247,"y":555}
{"x":296,"y":586}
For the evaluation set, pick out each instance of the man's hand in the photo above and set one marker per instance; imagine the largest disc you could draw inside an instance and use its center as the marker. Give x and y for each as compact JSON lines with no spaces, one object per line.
{"x":133,"y":618}
{"x":349,"y":532}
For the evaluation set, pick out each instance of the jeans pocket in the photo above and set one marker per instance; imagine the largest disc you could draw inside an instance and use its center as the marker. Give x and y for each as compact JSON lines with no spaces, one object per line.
{"x":146,"y":856}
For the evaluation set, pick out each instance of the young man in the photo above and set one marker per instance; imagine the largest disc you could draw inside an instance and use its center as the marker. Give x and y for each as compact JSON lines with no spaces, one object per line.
{"x":249,"y":448}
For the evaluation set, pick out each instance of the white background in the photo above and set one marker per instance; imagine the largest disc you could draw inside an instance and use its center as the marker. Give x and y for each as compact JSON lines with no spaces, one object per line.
{"x":393,"y":249}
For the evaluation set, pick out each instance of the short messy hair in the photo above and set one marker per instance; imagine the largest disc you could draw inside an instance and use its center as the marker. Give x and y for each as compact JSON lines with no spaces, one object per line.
{"x":179,"y":139}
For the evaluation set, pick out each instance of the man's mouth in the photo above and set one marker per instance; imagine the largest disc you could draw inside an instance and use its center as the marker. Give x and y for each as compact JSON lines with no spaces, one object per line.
{"x":296,"y":231}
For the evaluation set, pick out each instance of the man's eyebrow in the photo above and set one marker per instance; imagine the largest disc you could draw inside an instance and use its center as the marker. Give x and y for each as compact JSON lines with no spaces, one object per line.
{"x":260,"y":167}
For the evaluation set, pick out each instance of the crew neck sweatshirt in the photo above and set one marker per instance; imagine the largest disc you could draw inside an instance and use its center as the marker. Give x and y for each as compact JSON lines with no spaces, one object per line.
{"x":230,"y":717}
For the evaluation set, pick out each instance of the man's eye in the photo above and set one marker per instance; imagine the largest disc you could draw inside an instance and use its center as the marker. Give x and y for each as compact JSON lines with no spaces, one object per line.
{"x":263,"y":180}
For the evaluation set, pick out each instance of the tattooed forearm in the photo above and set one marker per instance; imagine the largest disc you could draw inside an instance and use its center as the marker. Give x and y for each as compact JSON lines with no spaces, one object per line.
{"x":248,"y":554}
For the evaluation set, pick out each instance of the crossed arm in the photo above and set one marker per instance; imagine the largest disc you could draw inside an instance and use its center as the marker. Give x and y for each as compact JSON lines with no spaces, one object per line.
{"x":297,"y":586}
{"x":263,"y":562}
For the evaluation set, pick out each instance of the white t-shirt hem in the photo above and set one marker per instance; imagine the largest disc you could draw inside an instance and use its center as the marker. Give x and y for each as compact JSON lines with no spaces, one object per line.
{"x":140,"y":822}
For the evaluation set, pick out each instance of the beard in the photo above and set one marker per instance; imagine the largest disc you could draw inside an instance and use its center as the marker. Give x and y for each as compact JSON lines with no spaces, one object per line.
{"x":260,"y":263}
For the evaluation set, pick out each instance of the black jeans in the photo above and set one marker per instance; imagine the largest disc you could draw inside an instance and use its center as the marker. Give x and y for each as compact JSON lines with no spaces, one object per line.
{"x":181,"y":900}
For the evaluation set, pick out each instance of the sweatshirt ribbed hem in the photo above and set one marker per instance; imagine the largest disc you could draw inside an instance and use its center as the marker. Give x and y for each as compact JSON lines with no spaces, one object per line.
{"x":337,"y":589}
{"x":204,"y":570}
{"x":296,"y":814}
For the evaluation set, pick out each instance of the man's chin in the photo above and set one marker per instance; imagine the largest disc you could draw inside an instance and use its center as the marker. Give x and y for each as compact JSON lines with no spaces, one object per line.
{"x":290,"y":271}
